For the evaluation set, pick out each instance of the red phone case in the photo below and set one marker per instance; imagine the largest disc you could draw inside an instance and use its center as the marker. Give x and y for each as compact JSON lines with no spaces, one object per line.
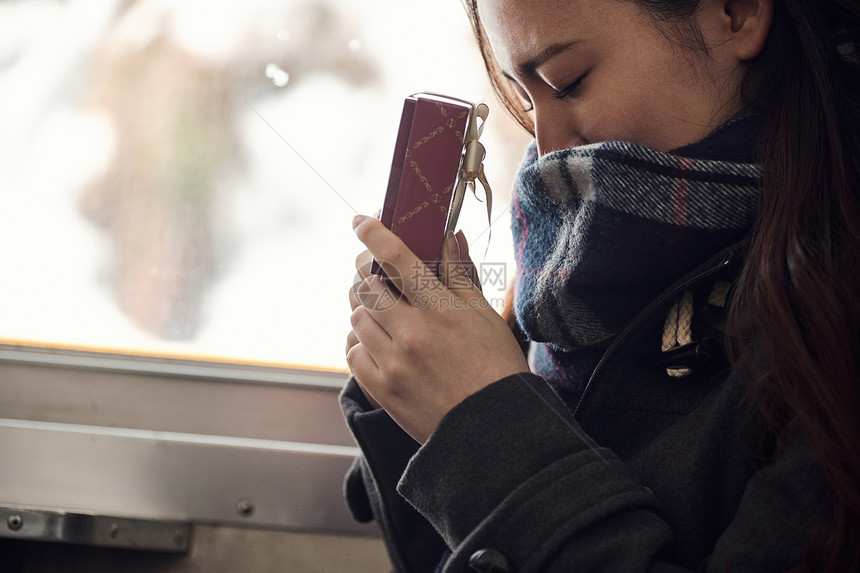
{"x":424,"y":172}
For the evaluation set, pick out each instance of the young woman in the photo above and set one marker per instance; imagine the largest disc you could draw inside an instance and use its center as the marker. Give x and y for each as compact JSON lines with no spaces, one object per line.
{"x":687,"y":233}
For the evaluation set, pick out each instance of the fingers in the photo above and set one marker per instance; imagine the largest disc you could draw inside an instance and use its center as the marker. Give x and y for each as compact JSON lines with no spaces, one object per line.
{"x":399,"y":263}
{"x":367,"y":340}
{"x":458,"y":270}
{"x":466,"y":259}
{"x":353,"y":296}
{"x":363,"y":262}
{"x":360,"y":360}
{"x":351,"y":340}
{"x":367,"y":318}
{"x":354,"y":299}
{"x":412,"y":277}
{"x":361,"y":363}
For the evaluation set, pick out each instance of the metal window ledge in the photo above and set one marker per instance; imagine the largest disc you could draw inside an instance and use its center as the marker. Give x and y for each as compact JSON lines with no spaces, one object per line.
{"x":172,"y":441}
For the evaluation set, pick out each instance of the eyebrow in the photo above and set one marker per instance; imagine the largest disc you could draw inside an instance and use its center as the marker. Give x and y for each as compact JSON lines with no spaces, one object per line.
{"x":528,"y":67}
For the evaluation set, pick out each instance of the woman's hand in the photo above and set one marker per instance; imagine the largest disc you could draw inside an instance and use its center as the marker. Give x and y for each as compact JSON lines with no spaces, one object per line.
{"x":363,"y":263}
{"x":420,"y":353}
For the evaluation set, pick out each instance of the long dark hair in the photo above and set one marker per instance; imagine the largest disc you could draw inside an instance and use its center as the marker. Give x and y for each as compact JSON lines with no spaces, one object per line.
{"x":800,"y":285}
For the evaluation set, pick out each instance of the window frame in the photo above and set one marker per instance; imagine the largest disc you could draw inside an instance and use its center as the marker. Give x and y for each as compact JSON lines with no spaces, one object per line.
{"x":99,"y":433}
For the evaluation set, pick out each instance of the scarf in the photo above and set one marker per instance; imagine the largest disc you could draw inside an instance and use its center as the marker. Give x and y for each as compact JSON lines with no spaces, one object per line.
{"x":601,"y":230}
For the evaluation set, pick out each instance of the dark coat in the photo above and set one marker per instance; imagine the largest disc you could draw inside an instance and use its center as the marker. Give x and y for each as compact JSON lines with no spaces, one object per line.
{"x":652,"y":473}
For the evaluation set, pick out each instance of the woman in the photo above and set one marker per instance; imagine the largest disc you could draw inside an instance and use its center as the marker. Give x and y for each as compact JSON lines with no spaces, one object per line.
{"x":687,"y":229}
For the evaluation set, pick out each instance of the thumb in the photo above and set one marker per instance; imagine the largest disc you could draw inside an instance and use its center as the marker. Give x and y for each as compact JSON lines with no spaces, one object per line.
{"x":458,"y":271}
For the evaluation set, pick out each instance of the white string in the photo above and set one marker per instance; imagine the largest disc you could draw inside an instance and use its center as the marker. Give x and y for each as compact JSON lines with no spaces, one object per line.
{"x":472,"y":168}
{"x":678,"y":330}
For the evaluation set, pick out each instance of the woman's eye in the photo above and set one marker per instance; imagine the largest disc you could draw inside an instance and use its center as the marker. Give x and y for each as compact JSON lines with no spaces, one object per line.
{"x":570,"y":89}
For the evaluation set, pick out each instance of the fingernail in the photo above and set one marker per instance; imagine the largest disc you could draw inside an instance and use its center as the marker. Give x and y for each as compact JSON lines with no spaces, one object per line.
{"x":357,"y":220}
{"x":462,"y":243}
{"x":451,"y":247}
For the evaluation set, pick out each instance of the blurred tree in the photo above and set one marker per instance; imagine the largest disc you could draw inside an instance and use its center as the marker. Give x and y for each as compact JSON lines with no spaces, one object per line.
{"x":174,"y":111}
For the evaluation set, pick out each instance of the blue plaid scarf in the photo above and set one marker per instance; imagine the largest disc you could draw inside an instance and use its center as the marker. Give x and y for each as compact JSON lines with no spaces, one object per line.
{"x":602,"y":229}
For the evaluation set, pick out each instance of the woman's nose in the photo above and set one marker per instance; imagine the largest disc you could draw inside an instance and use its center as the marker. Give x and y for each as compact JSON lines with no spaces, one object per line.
{"x":555,"y":129}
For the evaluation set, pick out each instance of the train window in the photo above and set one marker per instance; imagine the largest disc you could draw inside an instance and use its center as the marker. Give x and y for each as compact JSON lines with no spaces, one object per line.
{"x":177,"y":178}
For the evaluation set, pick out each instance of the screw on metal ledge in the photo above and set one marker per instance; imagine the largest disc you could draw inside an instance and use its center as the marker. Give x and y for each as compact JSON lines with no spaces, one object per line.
{"x":14,"y":522}
{"x":245,"y":508}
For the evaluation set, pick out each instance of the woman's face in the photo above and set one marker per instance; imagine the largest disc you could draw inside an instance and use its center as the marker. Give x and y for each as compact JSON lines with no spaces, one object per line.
{"x":598,"y":70}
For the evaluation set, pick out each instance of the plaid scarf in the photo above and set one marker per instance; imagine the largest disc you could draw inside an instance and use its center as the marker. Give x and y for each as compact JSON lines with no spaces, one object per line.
{"x":601,"y":230}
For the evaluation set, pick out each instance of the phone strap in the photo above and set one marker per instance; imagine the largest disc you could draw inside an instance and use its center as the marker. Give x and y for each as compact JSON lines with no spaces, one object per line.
{"x":472,"y":169}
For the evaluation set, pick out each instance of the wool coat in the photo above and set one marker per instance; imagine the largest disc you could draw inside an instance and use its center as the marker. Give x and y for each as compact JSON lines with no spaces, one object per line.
{"x":648,"y":472}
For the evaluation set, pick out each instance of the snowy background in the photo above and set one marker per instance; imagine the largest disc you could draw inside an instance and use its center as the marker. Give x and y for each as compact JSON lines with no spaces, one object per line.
{"x":178,"y":177}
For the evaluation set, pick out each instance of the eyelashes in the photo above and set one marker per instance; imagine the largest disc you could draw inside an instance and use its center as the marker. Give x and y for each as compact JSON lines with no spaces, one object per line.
{"x":567,"y":91}
{"x":559,"y":94}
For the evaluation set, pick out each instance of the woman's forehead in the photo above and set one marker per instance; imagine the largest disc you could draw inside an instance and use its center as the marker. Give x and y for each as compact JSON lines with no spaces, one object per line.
{"x":520,"y":30}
